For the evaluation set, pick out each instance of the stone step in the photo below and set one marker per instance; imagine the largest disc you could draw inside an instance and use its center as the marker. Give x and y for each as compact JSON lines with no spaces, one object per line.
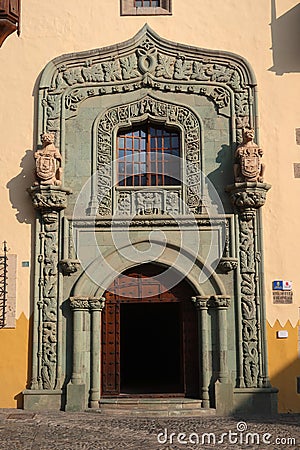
{"x":159,"y":407}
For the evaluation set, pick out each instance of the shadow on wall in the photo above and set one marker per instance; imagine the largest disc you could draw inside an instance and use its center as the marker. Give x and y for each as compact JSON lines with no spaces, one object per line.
{"x":286,"y":382}
{"x":18,"y":186}
{"x":285,"y":31}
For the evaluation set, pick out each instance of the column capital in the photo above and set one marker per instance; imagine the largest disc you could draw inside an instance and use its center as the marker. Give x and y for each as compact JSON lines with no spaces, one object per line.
{"x":97,"y":304}
{"x":87,"y":303}
{"x":79,"y":303}
{"x":200,"y":301}
{"x":219,"y":301}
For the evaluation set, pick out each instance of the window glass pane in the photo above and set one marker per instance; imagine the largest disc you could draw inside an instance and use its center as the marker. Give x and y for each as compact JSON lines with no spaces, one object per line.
{"x":149,"y":154}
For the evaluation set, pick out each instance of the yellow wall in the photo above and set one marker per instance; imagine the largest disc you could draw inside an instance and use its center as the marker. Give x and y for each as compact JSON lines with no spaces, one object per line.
{"x":50,"y":29}
{"x":13,"y":362}
{"x":284,"y":365}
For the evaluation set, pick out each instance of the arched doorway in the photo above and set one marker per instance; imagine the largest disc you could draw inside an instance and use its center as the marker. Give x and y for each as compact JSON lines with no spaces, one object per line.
{"x":149,"y":336}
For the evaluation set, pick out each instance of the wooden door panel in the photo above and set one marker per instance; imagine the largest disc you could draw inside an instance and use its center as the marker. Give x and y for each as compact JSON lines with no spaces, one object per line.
{"x":139,"y":286}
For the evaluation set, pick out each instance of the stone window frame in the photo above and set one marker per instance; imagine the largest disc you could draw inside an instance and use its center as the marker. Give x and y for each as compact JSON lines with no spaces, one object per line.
{"x":128,"y":9}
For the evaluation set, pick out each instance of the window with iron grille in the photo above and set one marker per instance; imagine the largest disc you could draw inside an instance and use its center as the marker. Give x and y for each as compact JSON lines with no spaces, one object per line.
{"x":3,"y":286}
{"x":146,"y":3}
{"x":145,"y":7}
{"x":148,"y":156}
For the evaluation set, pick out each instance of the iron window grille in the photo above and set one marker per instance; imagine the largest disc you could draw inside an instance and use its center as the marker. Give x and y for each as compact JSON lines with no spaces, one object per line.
{"x":3,"y":285}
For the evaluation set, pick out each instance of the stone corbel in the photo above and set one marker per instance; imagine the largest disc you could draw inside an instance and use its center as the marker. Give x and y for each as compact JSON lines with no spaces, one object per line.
{"x":227,"y":264}
{"x":247,"y":197}
{"x":69,"y":266}
{"x":49,"y":198}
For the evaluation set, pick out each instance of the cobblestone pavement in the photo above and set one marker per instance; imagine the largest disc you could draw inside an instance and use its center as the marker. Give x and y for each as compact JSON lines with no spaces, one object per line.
{"x":23,"y":430}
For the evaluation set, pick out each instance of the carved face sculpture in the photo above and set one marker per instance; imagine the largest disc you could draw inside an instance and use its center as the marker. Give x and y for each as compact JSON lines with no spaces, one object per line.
{"x":47,"y":138}
{"x":248,"y":134}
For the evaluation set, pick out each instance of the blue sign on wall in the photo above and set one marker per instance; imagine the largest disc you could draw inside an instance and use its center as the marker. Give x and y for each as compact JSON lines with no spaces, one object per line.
{"x":282,"y":285}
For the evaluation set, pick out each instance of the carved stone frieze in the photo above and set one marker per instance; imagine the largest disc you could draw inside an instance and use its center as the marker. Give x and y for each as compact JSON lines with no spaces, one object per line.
{"x":148,"y":202}
{"x":150,"y":61}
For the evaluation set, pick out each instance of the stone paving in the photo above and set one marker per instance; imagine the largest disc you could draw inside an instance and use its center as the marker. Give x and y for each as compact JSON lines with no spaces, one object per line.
{"x":23,"y":430}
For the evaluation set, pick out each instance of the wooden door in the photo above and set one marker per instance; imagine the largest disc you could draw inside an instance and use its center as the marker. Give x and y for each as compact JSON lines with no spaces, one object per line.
{"x":141,"y":286}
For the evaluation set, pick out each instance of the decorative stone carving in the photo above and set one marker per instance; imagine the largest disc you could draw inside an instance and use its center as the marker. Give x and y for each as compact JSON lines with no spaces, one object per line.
{"x":248,"y":166}
{"x":148,"y":202}
{"x":201,"y":302}
{"x":219,"y":301}
{"x":87,"y":303}
{"x":48,"y":162}
{"x":48,"y":200}
{"x":148,"y":60}
{"x":227,"y":264}
{"x":248,"y":197}
{"x":171,"y":115}
{"x":69,"y":266}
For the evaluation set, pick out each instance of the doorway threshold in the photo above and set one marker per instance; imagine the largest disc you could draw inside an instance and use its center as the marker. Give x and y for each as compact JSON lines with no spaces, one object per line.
{"x":154,"y":407}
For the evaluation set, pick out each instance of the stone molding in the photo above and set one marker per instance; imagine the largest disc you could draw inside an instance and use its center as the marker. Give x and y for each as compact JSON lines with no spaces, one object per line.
{"x":147,"y":60}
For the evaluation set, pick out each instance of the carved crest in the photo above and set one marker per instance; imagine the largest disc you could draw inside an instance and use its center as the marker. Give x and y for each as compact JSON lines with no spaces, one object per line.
{"x":250,"y":162}
{"x":248,"y":166}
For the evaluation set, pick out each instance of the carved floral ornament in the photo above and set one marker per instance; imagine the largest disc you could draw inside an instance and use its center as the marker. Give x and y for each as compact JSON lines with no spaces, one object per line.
{"x":147,"y":61}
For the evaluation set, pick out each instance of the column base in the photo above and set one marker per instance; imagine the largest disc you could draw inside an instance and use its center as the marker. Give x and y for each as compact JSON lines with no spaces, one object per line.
{"x":76,"y":398}
{"x":259,"y":401}
{"x":224,"y":398}
{"x":42,"y":399}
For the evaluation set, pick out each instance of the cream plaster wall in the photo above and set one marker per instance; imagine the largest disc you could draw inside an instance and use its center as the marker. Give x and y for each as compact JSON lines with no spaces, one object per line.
{"x":50,"y":29}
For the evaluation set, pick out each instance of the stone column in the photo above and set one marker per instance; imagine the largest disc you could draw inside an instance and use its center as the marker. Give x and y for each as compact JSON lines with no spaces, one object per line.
{"x":96,"y":306}
{"x":76,"y":389}
{"x":201,"y":304}
{"x":78,"y":305}
{"x":247,"y":198}
{"x":49,"y":201}
{"x":221,"y":303}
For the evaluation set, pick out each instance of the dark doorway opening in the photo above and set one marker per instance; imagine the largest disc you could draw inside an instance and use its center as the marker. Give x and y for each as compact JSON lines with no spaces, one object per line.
{"x":151,"y":349}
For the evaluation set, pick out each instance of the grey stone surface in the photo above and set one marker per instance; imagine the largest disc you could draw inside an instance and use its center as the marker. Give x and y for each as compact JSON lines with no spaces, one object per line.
{"x":20,"y":430}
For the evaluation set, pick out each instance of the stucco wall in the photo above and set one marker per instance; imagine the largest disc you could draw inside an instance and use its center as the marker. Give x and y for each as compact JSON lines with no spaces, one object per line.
{"x":50,"y":29}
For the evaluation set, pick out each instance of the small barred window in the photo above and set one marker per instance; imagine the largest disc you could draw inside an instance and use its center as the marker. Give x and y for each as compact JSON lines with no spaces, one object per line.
{"x":145,"y":7}
{"x":146,"y":3}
